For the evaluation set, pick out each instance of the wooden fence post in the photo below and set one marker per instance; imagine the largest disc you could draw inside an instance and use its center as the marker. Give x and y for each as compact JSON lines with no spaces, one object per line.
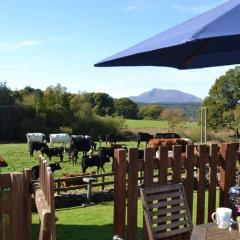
{"x":120,"y":168}
{"x":201,"y":184}
{"x":162,"y":165}
{"x":177,"y":164}
{"x":227,"y":172}
{"x":189,"y":165}
{"x":132,"y":194}
{"x":28,"y":203}
{"x":213,"y":163}
{"x":17,"y":206}
{"x":148,"y":178}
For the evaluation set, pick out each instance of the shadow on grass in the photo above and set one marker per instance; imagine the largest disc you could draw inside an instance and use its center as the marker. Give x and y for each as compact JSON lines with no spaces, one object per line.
{"x":81,"y":232}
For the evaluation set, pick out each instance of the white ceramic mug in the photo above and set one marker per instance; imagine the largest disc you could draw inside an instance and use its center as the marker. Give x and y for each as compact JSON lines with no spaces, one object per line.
{"x":222,"y":217}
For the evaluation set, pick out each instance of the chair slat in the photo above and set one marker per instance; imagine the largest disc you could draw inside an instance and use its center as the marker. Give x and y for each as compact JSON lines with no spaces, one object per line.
{"x":161,"y":196}
{"x":172,"y":225}
{"x":168,"y":218}
{"x":164,"y":204}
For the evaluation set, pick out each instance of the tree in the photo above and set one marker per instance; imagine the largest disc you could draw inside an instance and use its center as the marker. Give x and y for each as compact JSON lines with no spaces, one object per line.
{"x":172,"y":116}
{"x":223,"y":99}
{"x":125,"y":108}
{"x":150,"y":111}
{"x":102,"y":103}
{"x":57,"y":106}
{"x":6,"y":97}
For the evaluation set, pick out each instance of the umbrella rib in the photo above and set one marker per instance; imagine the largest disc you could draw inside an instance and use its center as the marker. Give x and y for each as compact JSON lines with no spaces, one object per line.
{"x":190,"y":59}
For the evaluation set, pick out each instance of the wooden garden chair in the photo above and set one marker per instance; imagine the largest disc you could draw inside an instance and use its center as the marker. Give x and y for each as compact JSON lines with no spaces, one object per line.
{"x":166,"y":212}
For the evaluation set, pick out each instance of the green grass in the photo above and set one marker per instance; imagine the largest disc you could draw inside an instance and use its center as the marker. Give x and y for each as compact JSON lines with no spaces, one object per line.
{"x":158,"y":124}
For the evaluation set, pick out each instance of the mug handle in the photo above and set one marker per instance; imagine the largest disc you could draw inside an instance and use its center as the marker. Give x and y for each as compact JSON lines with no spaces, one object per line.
{"x":214,"y":217}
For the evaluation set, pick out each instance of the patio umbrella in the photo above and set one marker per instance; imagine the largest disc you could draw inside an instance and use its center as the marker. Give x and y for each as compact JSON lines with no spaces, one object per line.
{"x":210,"y":39}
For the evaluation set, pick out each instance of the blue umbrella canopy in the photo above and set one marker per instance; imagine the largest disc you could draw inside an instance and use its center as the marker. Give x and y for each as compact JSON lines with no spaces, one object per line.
{"x":210,"y":39}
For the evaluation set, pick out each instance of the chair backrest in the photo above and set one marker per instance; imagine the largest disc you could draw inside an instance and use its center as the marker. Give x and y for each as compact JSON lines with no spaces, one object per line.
{"x":166,"y":211}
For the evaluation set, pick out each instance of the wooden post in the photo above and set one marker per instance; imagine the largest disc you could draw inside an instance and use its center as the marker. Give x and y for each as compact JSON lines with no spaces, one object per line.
{"x":27,"y":203}
{"x":120,"y":168}
{"x":212,"y":181}
{"x":148,"y":178}
{"x":189,"y":165}
{"x":132,"y":196}
{"x":201,"y":183}
{"x":177,"y":164}
{"x":163,"y":165}
{"x":16,"y":222}
{"x":227,"y":172}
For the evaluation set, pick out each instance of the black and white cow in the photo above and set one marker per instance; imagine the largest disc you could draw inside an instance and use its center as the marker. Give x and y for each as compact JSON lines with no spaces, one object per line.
{"x":36,"y":137}
{"x":83,"y":143}
{"x":35,"y":170}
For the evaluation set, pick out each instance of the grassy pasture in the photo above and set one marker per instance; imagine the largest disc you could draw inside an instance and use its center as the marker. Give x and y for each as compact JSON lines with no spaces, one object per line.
{"x":158,"y":124}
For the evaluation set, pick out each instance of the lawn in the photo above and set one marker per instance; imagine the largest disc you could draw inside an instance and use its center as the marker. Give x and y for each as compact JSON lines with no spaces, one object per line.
{"x":158,"y":124}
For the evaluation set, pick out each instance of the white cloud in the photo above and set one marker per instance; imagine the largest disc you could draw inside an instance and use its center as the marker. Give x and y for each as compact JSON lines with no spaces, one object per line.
{"x":10,"y":46}
{"x":140,"y":5}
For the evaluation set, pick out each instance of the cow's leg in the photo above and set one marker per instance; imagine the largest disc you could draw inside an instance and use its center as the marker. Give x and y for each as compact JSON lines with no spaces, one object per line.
{"x":61,"y":157}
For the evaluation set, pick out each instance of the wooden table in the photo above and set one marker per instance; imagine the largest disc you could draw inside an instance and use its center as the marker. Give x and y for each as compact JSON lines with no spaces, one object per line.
{"x":211,"y":231}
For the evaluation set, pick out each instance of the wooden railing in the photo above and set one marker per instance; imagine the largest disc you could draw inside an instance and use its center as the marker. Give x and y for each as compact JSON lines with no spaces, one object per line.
{"x":73,"y":181}
{"x":44,"y":199}
{"x":15,"y":206}
{"x":126,"y":170}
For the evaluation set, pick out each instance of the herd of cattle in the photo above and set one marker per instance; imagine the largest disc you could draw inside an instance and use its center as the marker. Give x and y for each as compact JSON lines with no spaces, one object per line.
{"x":86,"y":145}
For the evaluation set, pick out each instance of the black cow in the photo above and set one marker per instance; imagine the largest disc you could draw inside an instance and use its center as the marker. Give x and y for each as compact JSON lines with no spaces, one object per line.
{"x":106,"y":151}
{"x":35,"y":146}
{"x":109,"y":151}
{"x":143,"y":137}
{"x":94,"y":160}
{"x":167,"y":135}
{"x":72,"y":155}
{"x":54,"y":151}
{"x":82,"y":143}
{"x":111,"y":138}
{"x":35,"y":170}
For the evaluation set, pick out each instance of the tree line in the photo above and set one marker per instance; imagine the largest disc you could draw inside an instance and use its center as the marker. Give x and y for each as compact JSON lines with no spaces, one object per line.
{"x":57,"y":110}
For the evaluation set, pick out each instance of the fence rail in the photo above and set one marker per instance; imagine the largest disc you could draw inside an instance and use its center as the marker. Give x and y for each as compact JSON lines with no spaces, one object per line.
{"x":74,"y":182}
{"x":44,"y":199}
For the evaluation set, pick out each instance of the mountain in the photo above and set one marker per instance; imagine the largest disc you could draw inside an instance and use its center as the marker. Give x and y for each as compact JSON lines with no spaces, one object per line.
{"x":157,"y":95}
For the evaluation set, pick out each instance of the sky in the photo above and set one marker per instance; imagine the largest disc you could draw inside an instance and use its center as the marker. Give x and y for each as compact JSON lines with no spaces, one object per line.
{"x":46,"y":42}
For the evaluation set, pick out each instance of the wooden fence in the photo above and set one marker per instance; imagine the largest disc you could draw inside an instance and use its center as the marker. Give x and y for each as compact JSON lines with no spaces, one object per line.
{"x":15,"y":206}
{"x":44,"y":199}
{"x":78,"y":183}
{"x":126,"y":170}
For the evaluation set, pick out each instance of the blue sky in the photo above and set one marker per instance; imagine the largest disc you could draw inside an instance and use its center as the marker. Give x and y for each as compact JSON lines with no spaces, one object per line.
{"x":47,"y":42}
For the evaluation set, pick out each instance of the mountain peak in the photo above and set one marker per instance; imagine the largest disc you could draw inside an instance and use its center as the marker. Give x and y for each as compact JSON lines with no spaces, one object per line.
{"x":157,"y":95}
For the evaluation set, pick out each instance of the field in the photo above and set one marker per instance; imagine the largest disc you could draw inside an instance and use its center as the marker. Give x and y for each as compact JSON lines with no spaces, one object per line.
{"x":157,"y":124}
